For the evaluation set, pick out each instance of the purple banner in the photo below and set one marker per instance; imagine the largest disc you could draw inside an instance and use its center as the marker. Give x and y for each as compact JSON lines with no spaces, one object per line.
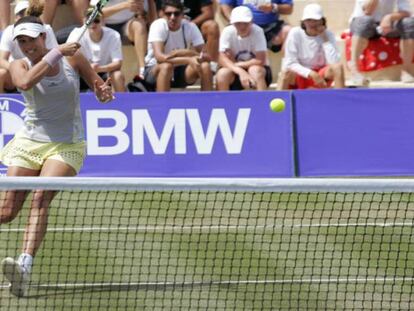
{"x":355,"y":132}
{"x":192,"y":134}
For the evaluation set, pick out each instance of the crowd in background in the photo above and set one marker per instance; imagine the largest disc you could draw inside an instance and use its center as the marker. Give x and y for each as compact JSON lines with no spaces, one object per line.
{"x":178,"y":42}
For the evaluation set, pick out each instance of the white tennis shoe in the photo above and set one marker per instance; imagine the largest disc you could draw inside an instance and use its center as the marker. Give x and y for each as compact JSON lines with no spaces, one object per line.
{"x":17,"y":276}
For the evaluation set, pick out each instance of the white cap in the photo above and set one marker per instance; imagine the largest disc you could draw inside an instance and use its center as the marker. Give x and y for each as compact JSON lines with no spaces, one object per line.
{"x":312,"y":11}
{"x":32,"y":30}
{"x":20,"y":6}
{"x":241,"y":14}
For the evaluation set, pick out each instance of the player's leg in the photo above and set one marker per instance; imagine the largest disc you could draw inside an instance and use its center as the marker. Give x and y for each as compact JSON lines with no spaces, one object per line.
{"x":224,"y":78}
{"x":258,"y":73}
{"x":10,"y":205}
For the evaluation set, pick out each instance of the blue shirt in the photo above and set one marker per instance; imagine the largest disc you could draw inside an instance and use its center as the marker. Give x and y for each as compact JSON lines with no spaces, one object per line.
{"x":259,"y":17}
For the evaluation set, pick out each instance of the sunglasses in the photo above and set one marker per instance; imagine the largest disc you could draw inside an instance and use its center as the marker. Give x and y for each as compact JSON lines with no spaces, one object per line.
{"x":175,"y":13}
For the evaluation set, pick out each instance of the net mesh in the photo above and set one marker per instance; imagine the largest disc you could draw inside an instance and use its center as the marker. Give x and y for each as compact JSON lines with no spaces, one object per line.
{"x":219,"y":250}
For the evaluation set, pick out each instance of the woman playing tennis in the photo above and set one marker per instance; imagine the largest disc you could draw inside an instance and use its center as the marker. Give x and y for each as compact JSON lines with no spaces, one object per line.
{"x":51,"y":143}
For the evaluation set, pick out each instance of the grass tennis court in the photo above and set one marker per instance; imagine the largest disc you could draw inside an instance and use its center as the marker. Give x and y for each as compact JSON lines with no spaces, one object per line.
{"x":220,"y":251}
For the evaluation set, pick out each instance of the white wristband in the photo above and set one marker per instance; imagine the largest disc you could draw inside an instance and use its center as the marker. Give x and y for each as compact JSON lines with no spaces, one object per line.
{"x":53,"y":57}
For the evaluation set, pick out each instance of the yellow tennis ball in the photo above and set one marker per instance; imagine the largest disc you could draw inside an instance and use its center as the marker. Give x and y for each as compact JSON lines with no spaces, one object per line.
{"x":277,"y":105}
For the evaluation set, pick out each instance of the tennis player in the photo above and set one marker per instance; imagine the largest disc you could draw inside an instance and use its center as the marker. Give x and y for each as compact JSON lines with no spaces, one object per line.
{"x":51,"y":141}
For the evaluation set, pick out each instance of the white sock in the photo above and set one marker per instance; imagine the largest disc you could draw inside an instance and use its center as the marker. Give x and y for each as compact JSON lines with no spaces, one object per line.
{"x":141,"y":71}
{"x":26,"y":261}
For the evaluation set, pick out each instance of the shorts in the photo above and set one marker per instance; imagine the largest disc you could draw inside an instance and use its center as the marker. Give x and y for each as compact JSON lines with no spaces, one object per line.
{"x":271,"y":31}
{"x":237,"y":86}
{"x":178,"y":80}
{"x":305,"y":83}
{"x":366,"y":27}
{"x":25,"y":152}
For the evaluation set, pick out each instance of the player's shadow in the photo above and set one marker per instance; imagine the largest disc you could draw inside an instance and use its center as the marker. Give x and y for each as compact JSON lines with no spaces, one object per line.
{"x":45,"y":291}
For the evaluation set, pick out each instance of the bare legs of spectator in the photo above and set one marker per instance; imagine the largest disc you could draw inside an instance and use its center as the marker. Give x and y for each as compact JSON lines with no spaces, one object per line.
{"x":5,"y":14}
{"x":336,"y":73}
{"x":211,"y":33}
{"x":281,"y":36}
{"x":164,"y":73}
{"x":225,"y":77}
{"x":359,"y":44}
{"x":118,"y":81}
{"x":137,"y":33}
{"x":285,"y":79}
{"x":78,"y":7}
{"x":407,"y":54}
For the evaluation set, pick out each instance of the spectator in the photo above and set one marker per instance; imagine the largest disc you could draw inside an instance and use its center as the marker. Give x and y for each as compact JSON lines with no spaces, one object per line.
{"x":266,"y":14}
{"x":175,"y":57}
{"x":4,"y":15}
{"x":243,"y":55}
{"x":102,"y":46}
{"x":10,"y":50}
{"x":132,"y":19}
{"x":389,"y":18}
{"x":77,"y":6}
{"x":201,"y":13}
{"x":312,"y":59}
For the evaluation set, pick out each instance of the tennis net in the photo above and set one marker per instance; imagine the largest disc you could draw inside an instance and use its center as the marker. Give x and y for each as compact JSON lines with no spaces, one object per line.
{"x":218,"y":244}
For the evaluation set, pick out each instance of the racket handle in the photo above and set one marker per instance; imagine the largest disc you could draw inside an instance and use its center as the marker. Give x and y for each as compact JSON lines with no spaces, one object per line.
{"x":79,"y":34}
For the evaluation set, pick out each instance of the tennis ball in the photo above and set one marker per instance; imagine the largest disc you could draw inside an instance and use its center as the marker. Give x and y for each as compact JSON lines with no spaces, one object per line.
{"x":277,"y":105}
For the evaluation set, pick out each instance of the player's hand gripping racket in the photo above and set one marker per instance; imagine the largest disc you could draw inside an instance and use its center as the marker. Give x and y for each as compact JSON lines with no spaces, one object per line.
{"x":96,"y":10}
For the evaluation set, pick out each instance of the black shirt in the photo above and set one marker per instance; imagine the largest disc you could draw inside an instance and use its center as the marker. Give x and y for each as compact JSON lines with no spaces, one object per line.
{"x":192,"y":7}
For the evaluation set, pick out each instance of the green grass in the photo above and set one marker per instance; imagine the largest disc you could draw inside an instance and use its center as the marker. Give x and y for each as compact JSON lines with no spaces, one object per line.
{"x":216,"y":240}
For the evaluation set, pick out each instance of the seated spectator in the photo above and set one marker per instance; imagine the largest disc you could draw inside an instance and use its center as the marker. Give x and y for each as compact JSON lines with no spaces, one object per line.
{"x":312,"y":59}
{"x":10,"y":50}
{"x":132,"y":19}
{"x":201,"y":13}
{"x":175,"y":57}
{"x":243,"y":55}
{"x":389,"y":18}
{"x":102,"y":46}
{"x":266,"y":14}
{"x":77,"y":7}
{"x":4,"y":15}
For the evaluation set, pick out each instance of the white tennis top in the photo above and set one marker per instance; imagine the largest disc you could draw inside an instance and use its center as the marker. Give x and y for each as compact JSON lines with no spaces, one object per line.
{"x":52,"y":107}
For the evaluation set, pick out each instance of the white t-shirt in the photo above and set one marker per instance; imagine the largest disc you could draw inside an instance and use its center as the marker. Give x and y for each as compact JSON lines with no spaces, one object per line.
{"x":7,"y":44}
{"x":304,"y":53}
{"x":243,"y":48}
{"x":122,"y":16}
{"x":104,"y":52}
{"x":384,"y":7}
{"x":188,"y":35}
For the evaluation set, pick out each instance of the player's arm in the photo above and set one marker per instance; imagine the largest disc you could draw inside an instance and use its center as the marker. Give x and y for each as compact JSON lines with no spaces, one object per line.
{"x":102,"y":89}
{"x":207,"y":13}
{"x":25,"y":78}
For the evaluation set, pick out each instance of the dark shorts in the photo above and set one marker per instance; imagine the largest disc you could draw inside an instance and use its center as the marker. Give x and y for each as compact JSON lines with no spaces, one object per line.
{"x":237,"y":86}
{"x":178,"y":80}
{"x":84,"y":87}
{"x":271,"y":31}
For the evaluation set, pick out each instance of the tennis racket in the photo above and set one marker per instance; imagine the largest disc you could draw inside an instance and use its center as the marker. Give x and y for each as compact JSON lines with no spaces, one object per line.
{"x":96,"y":10}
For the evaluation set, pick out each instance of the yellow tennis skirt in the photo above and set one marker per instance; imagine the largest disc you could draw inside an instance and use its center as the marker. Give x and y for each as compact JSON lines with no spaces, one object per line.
{"x":25,"y":152}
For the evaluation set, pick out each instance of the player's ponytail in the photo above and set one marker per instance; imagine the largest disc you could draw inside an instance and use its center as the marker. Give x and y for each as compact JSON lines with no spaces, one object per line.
{"x":35,"y":8}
